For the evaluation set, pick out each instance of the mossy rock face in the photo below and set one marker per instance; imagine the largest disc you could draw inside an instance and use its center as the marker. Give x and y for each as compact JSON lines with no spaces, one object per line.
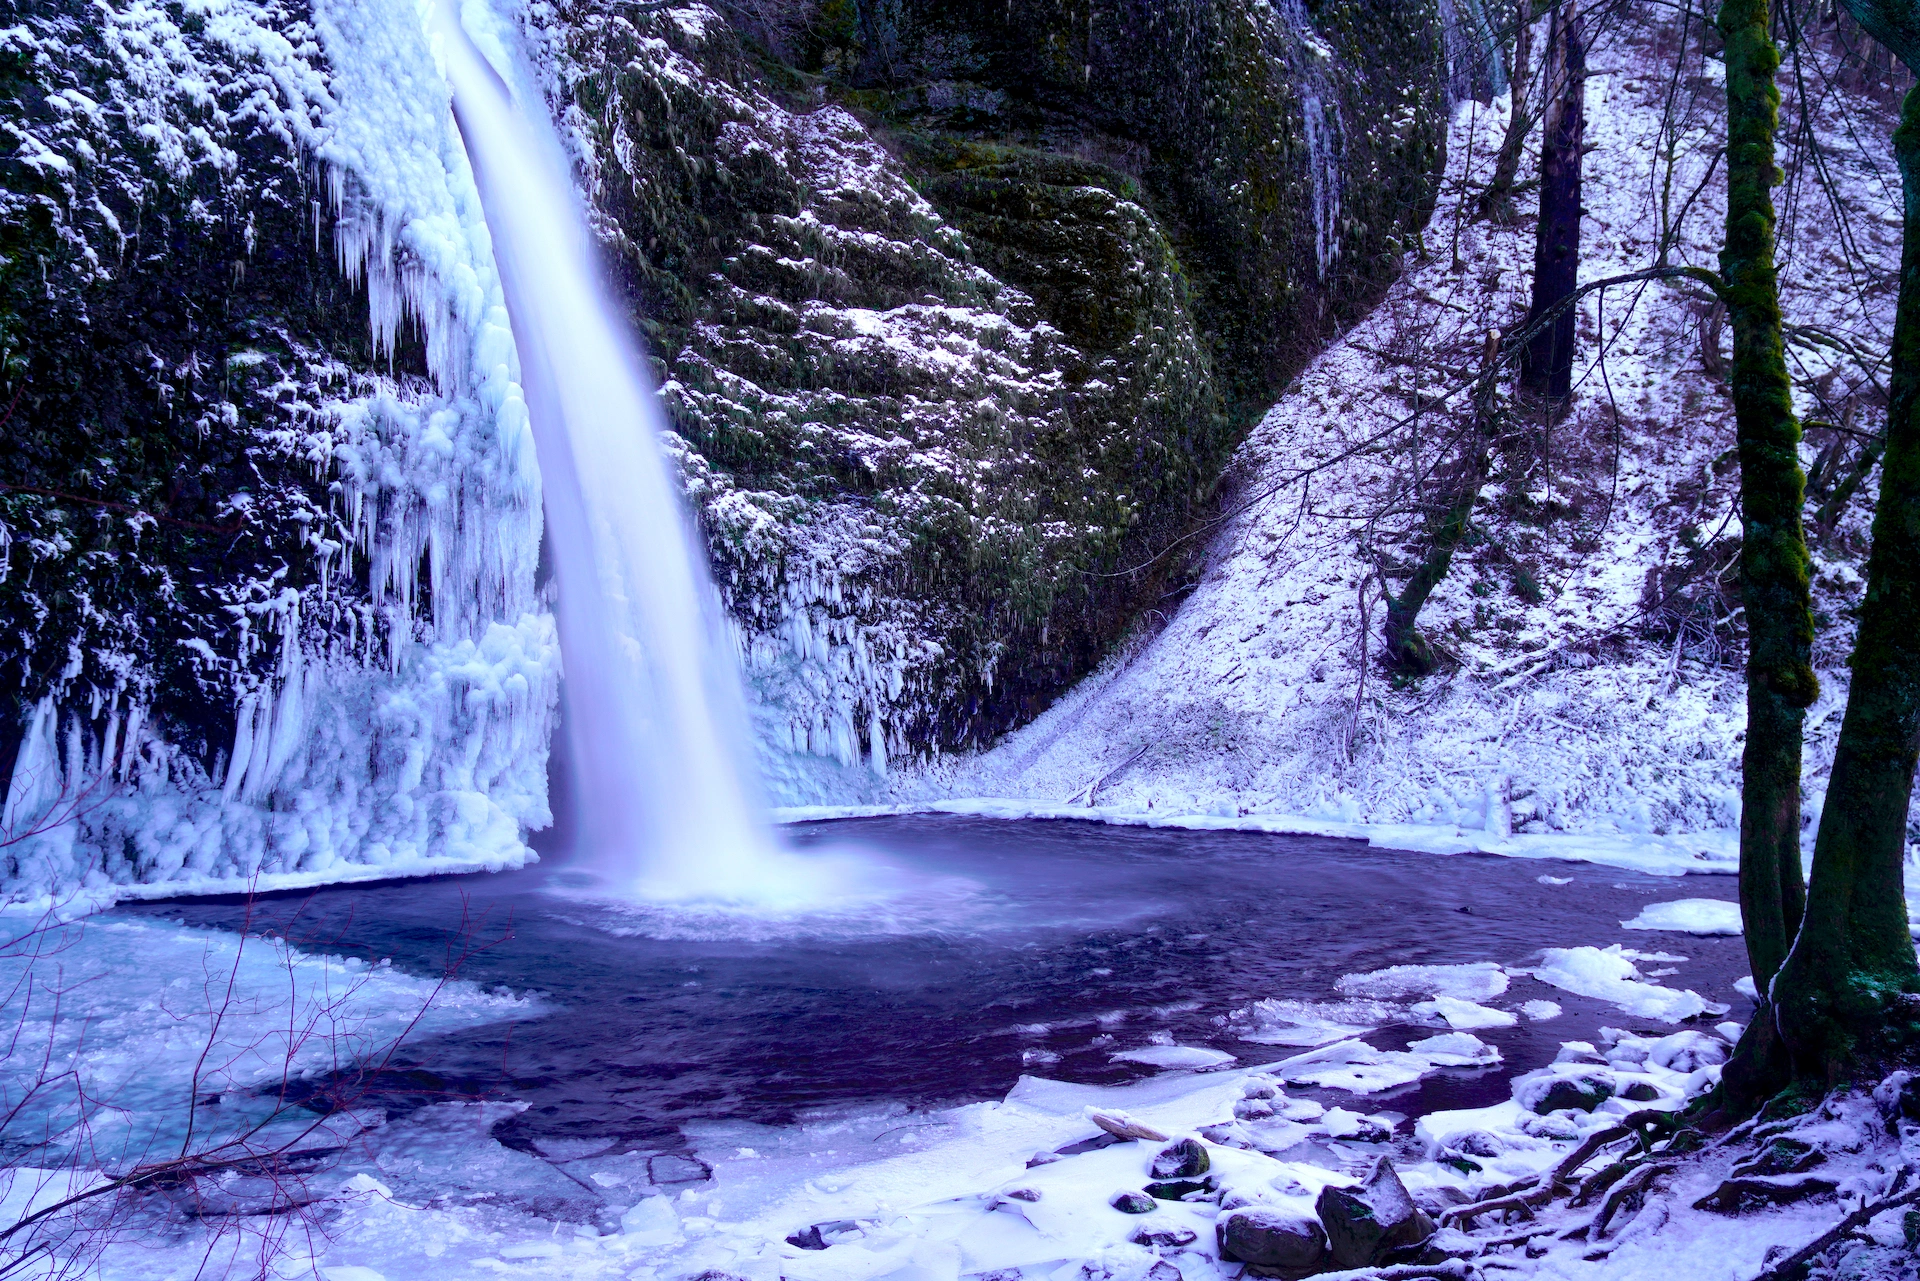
{"x":960,"y":309}
{"x":1218,"y":111}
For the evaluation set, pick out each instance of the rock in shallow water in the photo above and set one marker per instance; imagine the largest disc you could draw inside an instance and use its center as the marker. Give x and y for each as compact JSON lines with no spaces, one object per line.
{"x":1580,"y":1092}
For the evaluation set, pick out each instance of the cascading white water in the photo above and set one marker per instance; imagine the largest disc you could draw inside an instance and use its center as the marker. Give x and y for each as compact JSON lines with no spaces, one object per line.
{"x":1323,"y":167}
{"x":1320,"y":114}
{"x":1475,"y":61}
{"x":655,"y":712}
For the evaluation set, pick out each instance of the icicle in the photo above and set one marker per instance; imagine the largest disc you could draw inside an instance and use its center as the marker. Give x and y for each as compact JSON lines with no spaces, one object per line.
{"x":242,"y":750}
{"x":35,"y":784}
{"x":877,"y":742}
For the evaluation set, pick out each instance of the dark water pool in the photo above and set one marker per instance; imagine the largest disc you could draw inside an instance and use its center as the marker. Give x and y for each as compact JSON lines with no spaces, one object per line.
{"x":1069,"y":942}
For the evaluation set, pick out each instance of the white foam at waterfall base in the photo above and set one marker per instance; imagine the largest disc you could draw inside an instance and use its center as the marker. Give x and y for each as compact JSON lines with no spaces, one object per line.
{"x":844,"y":891}
{"x":668,"y":808}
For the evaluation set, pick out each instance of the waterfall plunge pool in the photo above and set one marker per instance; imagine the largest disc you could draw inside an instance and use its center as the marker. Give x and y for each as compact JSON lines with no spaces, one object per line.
{"x":1042,"y":947}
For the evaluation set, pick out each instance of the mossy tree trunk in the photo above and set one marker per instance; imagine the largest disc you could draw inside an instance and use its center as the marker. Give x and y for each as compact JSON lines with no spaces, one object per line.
{"x":1773,"y":554}
{"x":1849,"y":994}
{"x":1407,"y":650}
{"x":1496,"y":202}
{"x":1546,"y":366}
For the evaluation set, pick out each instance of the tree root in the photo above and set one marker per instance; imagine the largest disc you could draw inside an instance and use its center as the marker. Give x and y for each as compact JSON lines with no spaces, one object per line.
{"x":1635,"y":1184}
{"x":1794,"y":1266}
{"x":1599,"y":1182}
{"x":1779,"y":1158}
{"x":1585,"y":1152}
{"x":1451,"y":1270}
{"x":1529,"y":1195}
{"x":1736,"y":1194}
{"x":1463,"y":1214}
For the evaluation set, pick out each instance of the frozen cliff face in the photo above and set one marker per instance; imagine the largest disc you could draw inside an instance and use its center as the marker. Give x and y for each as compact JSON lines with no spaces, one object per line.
{"x":272,"y":520}
{"x":959,"y":310}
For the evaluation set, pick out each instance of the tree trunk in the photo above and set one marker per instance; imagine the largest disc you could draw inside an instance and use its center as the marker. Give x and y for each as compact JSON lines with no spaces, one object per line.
{"x":1496,"y":202}
{"x":1848,"y":996}
{"x":1407,"y":650}
{"x":1774,"y":565}
{"x":1546,"y":366}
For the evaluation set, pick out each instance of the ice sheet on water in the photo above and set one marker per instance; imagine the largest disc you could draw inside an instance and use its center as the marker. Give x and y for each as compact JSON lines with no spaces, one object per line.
{"x":157,"y":1013}
{"x":1464,"y":1016}
{"x":1168,"y":1057}
{"x":1607,"y":975}
{"x":1307,"y":1023}
{"x":1633,"y":954}
{"x":1478,"y":981}
{"x":1359,"y":1068}
{"x":1688,"y":916}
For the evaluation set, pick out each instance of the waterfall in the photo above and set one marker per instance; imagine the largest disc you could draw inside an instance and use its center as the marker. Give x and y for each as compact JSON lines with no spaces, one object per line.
{"x":655,"y":709}
{"x":1320,"y":116}
{"x":1323,"y":165}
{"x":1476,"y":67}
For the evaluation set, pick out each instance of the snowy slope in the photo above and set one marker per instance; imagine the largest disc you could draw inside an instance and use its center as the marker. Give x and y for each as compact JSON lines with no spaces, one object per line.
{"x":1582,"y":711}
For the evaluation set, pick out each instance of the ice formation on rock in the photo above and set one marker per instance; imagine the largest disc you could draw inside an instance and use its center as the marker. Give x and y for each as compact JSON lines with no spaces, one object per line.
{"x":396,"y":730}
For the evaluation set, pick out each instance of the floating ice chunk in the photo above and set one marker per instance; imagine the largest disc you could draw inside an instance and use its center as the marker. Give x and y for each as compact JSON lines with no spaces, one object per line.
{"x":651,"y":1221}
{"x":1456,"y":1049}
{"x":1476,"y":982}
{"x":1281,"y":1022}
{"x":1359,"y":1068}
{"x":1744,"y":985}
{"x":1554,"y":880}
{"x":364,"y":1185}
{"x":1342,"y":1124}
{"x":1191,"y":1057}
{"x":1688,"y":916}
{"x":1540,"y":1011}
{"x":1606,"y":975}
{"x":1465,"y":1015}
{"x":1732,"y":1031}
